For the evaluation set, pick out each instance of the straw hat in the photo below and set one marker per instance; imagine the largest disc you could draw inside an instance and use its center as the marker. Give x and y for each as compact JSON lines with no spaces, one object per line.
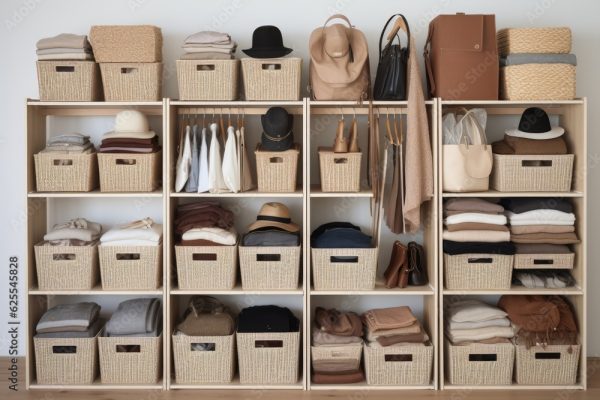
{"x":274,"y":215}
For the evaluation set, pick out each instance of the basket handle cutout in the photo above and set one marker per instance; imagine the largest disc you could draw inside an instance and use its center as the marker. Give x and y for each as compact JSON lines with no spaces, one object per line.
{"x":202,"y":347}
{"x":61,"y":163}
{"x":536,"y":163}
{"x":344,"y":259}
{"x":63,"y":257}
{"x":127,"y":70}
{"x":128,"y":256}
{"x":341,"y":354}
{"x":64,"y":349}
{"x":125,"y":161}
{"x":480,"y":260}
{"x":398,"y":357}
{"x":204,"y":257}
{"x":205,"y":67}
{"x":271,"y":66}
{"x":268,"y":257}
{"x":343,"y":160}
{"x":547,"y":356}
{"x":543,"y":262}
{"x":64,"y":68}
{"x":276,"y":160}
{"x":483,"y":357}
{"x":261,"y":344}
{"x":128,"y":348}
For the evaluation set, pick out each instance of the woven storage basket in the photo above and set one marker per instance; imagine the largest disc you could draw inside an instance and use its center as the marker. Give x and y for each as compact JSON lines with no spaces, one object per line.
{"x":69,"y":81}
{"x":208,"y":79}
{"x":339,"y":172}
{"x":264,"y":268}
{"x":349,"y":352}
{"x":552,"y":365}
{"x":276,"y":171}
{"x":331,"y":273}
{"x":272,"y":79}
{"x":538,"y":82}
{"x":132,"y":81}
{"x":130,"y":172}
{"x":480,"y":364}
{"x":268,"y":358}
{"x":143,"y":366}
{"x":206,"y":267}
{"x":142,"y":273}
{"x":534,"y":40}
{"x":66,"y":172}
{"x":532,"y":173}
{"x":478,"y":271}
{"x":544,"y":261}
{"x":202,"y":367}
{"x":126,"y":43}
{"x":399,"y":365}
{"x":78,"y":367}
{"x":78,"y":272}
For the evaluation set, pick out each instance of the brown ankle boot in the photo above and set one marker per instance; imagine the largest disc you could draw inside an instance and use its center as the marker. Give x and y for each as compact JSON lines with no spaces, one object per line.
{"x":398,"y":262}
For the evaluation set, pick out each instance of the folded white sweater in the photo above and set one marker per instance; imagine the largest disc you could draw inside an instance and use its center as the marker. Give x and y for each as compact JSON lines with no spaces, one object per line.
{"x":214,"y":234}
{"x":152,"y":234}
{"x":478,"y":324}
{"x":469,"y":335}
{"x":541,"y":217}
{"x":495,"y":219}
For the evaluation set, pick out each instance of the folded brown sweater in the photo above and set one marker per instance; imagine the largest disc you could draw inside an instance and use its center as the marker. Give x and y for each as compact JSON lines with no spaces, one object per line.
{"x":339,"y":377}
{"x":522,"y":146}
{"x":338,"y":323}
{"x":522,"y":229}
{"x":199,"y":243}
{"x":420,"y":337}
{"x":381,"y":319}
{"x":472,"y":205}
{"x":550,"y":238}
{"x":476,"y":226}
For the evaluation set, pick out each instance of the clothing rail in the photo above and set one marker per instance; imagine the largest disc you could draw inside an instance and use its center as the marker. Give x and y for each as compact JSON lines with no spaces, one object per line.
{"x":234,"y":110}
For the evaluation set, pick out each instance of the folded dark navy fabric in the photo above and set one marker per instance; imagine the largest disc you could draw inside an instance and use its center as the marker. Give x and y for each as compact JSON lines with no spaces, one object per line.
{"x":340,"y":235}
{"x":267,"y":319}
{"x":271,"y":237}
{"x":456,"y":248}
{"x":523,"y":204}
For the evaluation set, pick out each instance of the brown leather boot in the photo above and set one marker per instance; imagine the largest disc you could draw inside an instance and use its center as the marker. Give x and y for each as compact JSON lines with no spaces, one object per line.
{"x":398,"y":262}
{"x":353,"y":139}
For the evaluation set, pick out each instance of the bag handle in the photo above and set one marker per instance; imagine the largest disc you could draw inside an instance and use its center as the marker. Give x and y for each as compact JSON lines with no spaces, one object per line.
{"x":430,"y":80}
{"x":401,"y":23}
{"x":469,"y":117}
{"x":474,"y":163}
{"x":338,"y":16}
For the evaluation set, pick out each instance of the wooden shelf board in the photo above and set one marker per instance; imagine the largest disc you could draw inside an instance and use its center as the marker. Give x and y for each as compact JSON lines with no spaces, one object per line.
{"x":236,"y":103}
{"x":98,"y":385}
{"x":493,"y":193}
{"x":95,"y":291}
{"x":235,"y":384}
{"x":380,"y":290}
{"x":510,"y":102}
{"x":315,"y":191}
{"x":325,"y":103}
{"x":92,"y":104}
{"x":237,"y":290}
{"x":366,"y":387}
{"x":575,"y":290}
{"x":95,"y":193}
{"x":514,"y":386}
{"x":250,"y":193}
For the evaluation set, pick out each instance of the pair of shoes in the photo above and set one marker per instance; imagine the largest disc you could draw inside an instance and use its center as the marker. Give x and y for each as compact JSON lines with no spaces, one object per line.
{"x":407,"y":266}
{"x":341,"y":145}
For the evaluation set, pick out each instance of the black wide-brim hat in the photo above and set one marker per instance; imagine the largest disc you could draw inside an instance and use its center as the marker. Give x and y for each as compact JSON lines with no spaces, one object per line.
{"x":534,"y":122}
{"x":267,"y":42}
{"x":277,"y":126}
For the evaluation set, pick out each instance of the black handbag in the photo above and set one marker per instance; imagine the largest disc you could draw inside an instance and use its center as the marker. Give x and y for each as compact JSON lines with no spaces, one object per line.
{"x":390,"y":81}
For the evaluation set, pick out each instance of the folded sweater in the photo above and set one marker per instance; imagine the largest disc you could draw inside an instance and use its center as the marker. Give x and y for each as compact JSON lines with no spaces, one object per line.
{"x":481,"y":236}
{"x":456,"y":248}
{"x":521,"y":229}
{"x":543,"y":216}
{"x":475,"y":334}
{"x":476,"y":217}
{"x":381,"y":319}
{"x":150,"y":232}
{"x":524,"y":204}
{"x":472,"y":205}
{"x":227,"y":237}
{"x":68,"y":317}
{"x":476,"y":226}
{"x":473,"y":311}
{"x":537,"y":58}
{"x":503,"y":321}
{"x":135,"y":316}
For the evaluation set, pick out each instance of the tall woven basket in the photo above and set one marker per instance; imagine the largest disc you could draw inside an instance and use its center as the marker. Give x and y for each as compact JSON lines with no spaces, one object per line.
{"x":141,"y":365}
{"x":272,"y":79}
{"x":344,"y":269}
{"x":399,"y":365}
{"x":339,"y":172}
{"x":206,"y":267}
{"x":480,"y":364}
{"x":69,"y":81}
{"x":130,"y":267}
{"x":65,"y":172}
{"x":478,"y":271}
{"x":208,"y":79}
{"x":77,"y":365}
{"x":270,"y":268}
{"x":130,"y":172}
{"x":66,"y":267}
{"x":551,"y":365}
{"x":276,"y":171}
{"x":203,"y":367}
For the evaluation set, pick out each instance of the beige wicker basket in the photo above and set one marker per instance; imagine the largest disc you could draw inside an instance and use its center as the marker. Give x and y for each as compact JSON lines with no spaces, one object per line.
{"x":538,"y":82}
{"x":65,"y":172}
{"x":478,"y":271}
{"x":544,"y":261}
{"x":270,"y":268}
{"x":349,"y":353}
{"x":551,"y":365}
{"x":399,"y":365}
{"x":78,"y":365}
{"x":66,"y":267}
{"x":132,"y":81}
{"x":208,"y":79}
{"x":138,"y":363}
{"x":69,"y":81}
{"x":272,"y":79}
{"x":268,"y":358}
{"x":532,"y":173}
{"x":126,"y":43}
{"x":130,"y":172}
{"x":534,"y":40}
{"x":356,"y":271}
{"x":206,"y":267}
{"x":276,"y":171}
{"x":480,"y":364}
{"x":130,"y":267}
{"x":339,"y":172}
{"x":203,"y":367}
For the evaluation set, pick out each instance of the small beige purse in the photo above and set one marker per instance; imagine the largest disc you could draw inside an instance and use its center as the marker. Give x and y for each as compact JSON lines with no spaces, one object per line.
{"x":467,"y":166}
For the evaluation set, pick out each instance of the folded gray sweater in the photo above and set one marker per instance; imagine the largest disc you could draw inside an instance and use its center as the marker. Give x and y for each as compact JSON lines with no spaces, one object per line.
{"x":135,"y":317}
{"x":535,"y":58}
{"x":91,"y":332}
{"x":68,"y":316}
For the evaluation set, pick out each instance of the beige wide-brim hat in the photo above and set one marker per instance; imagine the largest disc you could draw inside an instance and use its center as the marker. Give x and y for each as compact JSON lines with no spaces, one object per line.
{"x":131,"y":123}
{"x":274,"y":215}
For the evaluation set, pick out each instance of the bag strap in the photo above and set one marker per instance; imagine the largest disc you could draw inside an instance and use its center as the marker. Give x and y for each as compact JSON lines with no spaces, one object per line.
{"x":394,"y":32}
{"x":338,"y":16}
{"x":430,"y":80}
{"x":469,"y":117}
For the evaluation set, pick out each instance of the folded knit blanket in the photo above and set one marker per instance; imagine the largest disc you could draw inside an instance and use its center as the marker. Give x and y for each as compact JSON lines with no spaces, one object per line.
{"x":476,"y":226}
{"x":207,"y":37}
{"x":537,"y":313}
{"x":543,"y":248}
{"x":90,"y":332}
{"x":546,"y":238}
{"x":145,"y":230}
{"x":381,"y":319}
{"x":524,"y":229}
{"x":135,"y":316}
{"x":215,"y":234}
{"x":406,"y":330}
{"x":73,"y":138}
{"x":537,"y":58}
{"x":472,"y":205}
{"x":476,"y":235}
{"x":68,"y":317}
{"x":420,"y":337}
{"x":322,"y":338}
{"x":503,"y":321}
{"x":472,"y":311}
{"x":476,"y":334}
{"x":476,"y":217}
{"x":78,"y":228}
{"x":543,"y":216}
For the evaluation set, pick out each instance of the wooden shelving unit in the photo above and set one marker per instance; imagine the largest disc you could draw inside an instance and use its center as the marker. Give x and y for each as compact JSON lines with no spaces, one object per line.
{"x":571,"y":115}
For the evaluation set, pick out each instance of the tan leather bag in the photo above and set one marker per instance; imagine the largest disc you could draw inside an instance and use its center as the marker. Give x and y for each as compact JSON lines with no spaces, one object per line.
{"x":461,"y":57}
{"x":339,"y":62}
{"x":467,"y":166}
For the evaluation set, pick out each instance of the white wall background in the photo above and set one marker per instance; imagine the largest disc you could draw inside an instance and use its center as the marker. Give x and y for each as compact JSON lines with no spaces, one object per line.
{"x":23,"y":22}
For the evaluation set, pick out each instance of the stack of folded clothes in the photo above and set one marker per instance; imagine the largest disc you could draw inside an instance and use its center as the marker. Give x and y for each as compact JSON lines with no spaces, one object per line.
{"x":472,"y":321}
{"x":267,"y":319}
{"x":65,"y":46}
{"x":540,"y":320}
{"x":73,"y":143}
{"x":132,"y":134}
{"x":340,"y":235}
{"x":136,"y":317}
{"x":543,"y":278}
{"x":474,"y":220}
{"x":144,"y":232}
{"x":206,"y":316}
{"x":208,"y":45}
{"x":204,"y":224}
{"x":338,"y":329}
{"x":541,"y":220}
{"x":79,"y":320}
{"x":273,"y":227}
{"x":76,"y":232}
{"x":534,"y":136}
{"x":393,"y":326}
